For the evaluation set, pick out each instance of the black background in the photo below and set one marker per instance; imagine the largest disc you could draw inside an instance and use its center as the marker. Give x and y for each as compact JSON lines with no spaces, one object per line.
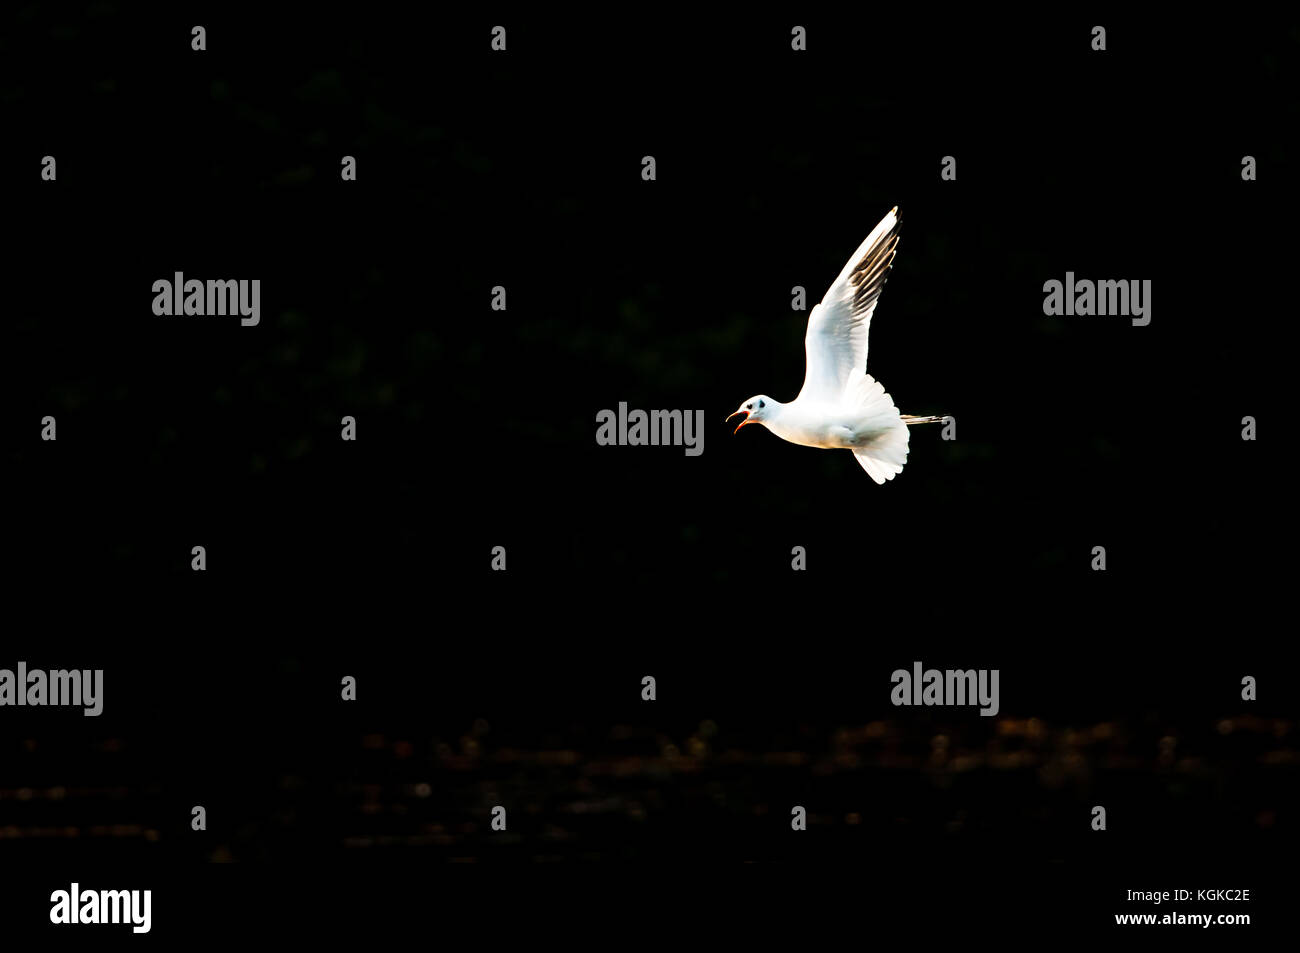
{"x":476,"y":429}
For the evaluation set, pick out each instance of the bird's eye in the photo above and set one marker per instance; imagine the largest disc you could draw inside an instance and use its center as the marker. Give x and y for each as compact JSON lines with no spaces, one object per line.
{"x":749,"y":406}
{"x":760,"y":405}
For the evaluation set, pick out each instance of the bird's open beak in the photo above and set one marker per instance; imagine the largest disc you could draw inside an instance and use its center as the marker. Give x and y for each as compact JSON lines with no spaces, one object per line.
{"x":742,"y":423}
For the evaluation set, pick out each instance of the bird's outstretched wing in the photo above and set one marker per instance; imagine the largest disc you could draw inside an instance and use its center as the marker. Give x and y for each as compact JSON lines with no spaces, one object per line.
{"x":836,"y":341}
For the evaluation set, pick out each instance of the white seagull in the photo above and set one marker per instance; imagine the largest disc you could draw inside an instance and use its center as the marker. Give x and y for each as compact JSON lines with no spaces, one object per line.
{"x":841,"y":406}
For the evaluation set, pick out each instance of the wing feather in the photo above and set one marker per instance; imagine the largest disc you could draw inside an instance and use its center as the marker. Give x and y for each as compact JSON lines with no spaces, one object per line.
{"x":835,"y":344}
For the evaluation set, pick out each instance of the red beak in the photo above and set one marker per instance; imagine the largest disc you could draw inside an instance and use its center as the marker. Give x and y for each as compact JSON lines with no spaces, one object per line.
{"x":742,"y":423}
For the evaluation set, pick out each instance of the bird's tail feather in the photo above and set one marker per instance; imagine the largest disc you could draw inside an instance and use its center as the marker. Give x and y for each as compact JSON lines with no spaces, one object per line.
{"x":909,"y":419}
{"x":884,"y":458}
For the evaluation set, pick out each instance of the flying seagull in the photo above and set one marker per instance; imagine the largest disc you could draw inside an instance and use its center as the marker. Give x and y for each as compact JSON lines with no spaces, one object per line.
{"x":841,"y":405}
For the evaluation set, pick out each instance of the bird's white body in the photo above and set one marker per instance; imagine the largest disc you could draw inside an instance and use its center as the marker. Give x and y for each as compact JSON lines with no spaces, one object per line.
{"x":841,"y":406}
{"x":828,"y":426}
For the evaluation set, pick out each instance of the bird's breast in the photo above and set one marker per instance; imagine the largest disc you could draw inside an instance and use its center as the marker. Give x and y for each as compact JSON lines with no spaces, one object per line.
{"x":810,"y":429}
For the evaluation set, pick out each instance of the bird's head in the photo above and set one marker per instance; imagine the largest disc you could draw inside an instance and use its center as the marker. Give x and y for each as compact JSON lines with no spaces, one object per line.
{"x":756,"y":411}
